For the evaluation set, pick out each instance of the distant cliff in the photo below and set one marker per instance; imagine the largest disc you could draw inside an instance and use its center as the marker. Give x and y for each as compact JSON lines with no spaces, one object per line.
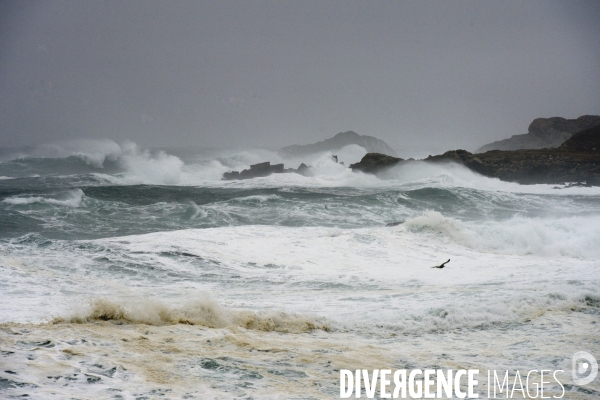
{"x":545,"y":133}
{"x":369,"y":143}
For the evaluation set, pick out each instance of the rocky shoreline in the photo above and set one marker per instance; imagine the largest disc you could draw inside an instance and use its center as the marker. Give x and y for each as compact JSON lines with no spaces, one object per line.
{"x":574,"y":163}
{"x":576,"y":160}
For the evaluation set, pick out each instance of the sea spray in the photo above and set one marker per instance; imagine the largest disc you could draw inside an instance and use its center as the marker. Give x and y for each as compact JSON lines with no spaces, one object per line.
{"x":104,"y":249}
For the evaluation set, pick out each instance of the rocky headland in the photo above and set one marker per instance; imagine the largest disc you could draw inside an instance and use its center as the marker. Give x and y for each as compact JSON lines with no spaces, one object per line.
{"x":544,"y":133}
{"x":576,"y":160}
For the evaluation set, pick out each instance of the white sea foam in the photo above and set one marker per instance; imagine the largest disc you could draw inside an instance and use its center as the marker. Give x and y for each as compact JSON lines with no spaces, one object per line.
{"x":133,"y":360}
{"x":257,"y":198}
{"x":242,"y":159}
{"x":547,"y":237}
{"x":145,"y":167}
{"x":385,"y":271}
{"x":158,"y":167}
{"x":451,"y":174}
{"x":291,"y":306}
{"x":73,"y":198}
{"x":93,"y":152}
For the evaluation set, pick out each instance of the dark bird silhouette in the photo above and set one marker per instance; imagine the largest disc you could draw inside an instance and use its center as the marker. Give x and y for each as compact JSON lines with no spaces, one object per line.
{"x":443,"y":265}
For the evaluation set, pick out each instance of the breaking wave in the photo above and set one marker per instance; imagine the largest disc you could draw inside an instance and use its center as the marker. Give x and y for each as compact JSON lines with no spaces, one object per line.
{"x":94,"y":152}
{"x":73,"y":198}
{"x":573,"y":236}
{"x":205,"y":312}
{"x":126,"y":163}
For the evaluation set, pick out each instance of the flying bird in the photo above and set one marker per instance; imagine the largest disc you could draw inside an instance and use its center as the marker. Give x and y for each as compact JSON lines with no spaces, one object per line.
{"x":443,"y":265}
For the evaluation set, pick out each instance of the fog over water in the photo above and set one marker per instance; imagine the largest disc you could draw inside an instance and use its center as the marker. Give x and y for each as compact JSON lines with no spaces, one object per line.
{"x":268,"y":74}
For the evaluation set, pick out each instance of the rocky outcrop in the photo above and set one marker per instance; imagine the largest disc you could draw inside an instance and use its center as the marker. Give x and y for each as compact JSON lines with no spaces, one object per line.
{"x":577,"y":160}
{"x":545,"y":133}
{"x":551,"y":166}
{"x":265,"y":169}
{"x":369,"y":143}
{"x":585,"y":141}
{"x":374,"y":162}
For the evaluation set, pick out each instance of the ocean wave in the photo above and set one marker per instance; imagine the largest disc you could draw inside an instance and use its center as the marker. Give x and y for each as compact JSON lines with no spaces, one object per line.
{"x":451,"y":174}
{"x":257,"y":198}
{"x":73,"y":198}
{"x":129,"y":164}
{"x":204,"y":311}
{"x":124,"y":163}
{"x":207,"y":313}
{"x":572,"y":236}
{"x":94,"y":152}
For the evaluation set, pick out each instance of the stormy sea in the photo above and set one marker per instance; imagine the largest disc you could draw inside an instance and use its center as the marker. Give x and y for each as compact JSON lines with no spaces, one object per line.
{"x":140,"y":273}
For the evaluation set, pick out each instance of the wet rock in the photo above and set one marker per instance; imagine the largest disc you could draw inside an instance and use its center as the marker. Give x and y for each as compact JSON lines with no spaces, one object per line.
{"x":576,"y":161}
{"x":264,"y":169}
{"x":375,"y":162}
{"x":549,"y":166}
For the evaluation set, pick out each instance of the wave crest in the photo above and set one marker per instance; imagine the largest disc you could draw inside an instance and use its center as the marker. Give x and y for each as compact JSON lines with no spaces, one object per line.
{"x":74,"y":198}
{"x":568,"y":236}
{"x":204,"y":312}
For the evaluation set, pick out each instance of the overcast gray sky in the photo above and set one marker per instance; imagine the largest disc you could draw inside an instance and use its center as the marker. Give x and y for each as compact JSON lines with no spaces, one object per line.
{"x":271,"y":73}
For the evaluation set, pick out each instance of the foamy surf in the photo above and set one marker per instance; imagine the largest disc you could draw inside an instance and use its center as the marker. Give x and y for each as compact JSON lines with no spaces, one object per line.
{"x":141,"y":274}
{"x":72,"y":198}
{"x":103,"y":360}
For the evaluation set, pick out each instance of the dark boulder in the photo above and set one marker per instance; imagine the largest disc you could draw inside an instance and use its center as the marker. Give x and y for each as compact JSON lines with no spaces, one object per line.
{"x":228,"y":176}
{"x":586,"y":141}
{"x":375,"y":162}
